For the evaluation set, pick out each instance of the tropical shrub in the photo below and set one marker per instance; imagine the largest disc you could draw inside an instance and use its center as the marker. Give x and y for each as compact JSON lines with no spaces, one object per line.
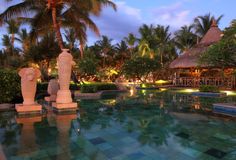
{"x":42,"y":87}
{"x":139,"y":67}
{"x":9,"y":86}
{"x":208,"y":88}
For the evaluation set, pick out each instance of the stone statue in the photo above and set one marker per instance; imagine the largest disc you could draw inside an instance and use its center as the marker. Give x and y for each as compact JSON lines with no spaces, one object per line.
{"x":53,"y":87}
{"x":65,"y":62}
{"x":29,"y":78}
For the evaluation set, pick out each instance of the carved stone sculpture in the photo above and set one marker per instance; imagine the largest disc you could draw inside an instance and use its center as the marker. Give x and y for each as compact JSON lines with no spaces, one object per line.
{"x":53,"y":87}
{"x":64,"y":100}
{"x":29,"y":78}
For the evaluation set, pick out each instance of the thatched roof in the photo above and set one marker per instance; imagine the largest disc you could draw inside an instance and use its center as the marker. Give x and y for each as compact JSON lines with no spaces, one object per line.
{"x":189,"y":58}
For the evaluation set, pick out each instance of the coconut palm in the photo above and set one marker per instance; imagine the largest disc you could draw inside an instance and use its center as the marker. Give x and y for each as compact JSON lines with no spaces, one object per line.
{"x":147,"y":34}
{"x":185,"y":38}
{"x":130,"y":40}
{"x":122,"y":51}
{"x":203,"y":23}
{"x":70,"y":37}
{"x":144,"y":49}
{"x":162,"y":37}
{"x":24,"y":39}
{"x":12,"y":28}
{"x":69,"y":13}
{"x":106,"y":49}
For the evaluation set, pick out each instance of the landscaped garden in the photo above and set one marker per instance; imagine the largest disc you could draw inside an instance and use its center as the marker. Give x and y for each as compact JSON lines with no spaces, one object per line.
{"x":157,"y":94}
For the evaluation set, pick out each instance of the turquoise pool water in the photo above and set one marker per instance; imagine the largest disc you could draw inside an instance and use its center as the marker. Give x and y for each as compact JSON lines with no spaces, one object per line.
{"x":167,"y":125}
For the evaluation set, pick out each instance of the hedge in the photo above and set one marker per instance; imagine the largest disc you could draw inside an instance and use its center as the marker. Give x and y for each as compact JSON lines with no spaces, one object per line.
{"x":43,"y":86}
{"x":92,"y":88}
{"x":208,"y":88}
{"x":9,"y":86}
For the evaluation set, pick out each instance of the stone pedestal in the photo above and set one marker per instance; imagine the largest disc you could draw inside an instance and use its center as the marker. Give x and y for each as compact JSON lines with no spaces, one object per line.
{"x":64,"y":100}
{"x":29,"y":78}
{"x":28,"y":109}
{"x":67,"y":107}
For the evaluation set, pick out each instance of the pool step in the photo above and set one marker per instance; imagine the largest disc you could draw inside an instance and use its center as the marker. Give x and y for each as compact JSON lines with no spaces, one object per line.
{"x":225,"y":109}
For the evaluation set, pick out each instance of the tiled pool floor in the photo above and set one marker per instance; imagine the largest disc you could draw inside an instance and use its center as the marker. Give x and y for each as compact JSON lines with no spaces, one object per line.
{"x":131,"y":129}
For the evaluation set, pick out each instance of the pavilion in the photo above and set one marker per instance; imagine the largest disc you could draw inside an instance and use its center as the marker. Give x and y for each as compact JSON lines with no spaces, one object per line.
{"x":190,"y":74}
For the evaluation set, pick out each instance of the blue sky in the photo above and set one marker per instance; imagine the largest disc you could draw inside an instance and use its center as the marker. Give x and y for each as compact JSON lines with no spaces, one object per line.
{"x":131,"y":14}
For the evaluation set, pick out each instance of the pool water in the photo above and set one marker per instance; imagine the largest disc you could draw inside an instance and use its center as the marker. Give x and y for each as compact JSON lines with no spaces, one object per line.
{"x":156,"y":125}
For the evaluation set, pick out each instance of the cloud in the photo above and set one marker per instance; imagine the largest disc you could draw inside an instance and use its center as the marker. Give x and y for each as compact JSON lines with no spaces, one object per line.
{"x":173,"y":15}
{"x":117,"y":25}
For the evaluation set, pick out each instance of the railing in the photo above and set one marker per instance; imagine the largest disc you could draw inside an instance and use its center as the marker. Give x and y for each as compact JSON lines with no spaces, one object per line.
{"x":196,"y":82}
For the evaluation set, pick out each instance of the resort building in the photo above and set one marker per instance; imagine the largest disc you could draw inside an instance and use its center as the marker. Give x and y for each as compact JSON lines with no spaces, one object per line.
{"x":190,"y":74}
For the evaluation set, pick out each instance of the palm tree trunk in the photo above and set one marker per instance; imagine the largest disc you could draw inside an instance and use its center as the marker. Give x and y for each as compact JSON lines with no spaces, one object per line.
{"x":56,"y":25}
{"x":81,"y":48}
{"x":12,"y":39}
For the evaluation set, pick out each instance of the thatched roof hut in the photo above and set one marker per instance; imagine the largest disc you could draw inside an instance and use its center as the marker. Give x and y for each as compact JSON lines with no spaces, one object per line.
{"x":189,"y":58}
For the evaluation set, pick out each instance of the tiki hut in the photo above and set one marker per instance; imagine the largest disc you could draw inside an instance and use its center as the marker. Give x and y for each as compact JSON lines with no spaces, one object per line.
{"x":189,"y":58}
{"x":190,"y":74}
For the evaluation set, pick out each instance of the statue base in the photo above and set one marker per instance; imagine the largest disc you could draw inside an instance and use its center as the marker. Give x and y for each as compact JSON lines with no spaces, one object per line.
{"x":65,"y":107}
{"x":28,"y":109}
{"x":64,"y":96}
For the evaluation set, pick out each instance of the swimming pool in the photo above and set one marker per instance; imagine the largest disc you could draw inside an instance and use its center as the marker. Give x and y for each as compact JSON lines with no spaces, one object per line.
{"x":159,"y":125}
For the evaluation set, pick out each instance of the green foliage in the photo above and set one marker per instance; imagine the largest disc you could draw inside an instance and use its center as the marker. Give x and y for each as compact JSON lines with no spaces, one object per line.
{"x":148,"y":85}
{"x":222,"y":54}
{"x":47,"y":49}
{"x":87,"y":66}
{"x":42,"y":87}
{"x":208,"y":88}
{"x":203,"y":23}
{"x":139,"y":67}
{"x":74,"y":86}
{"x":185,"y":38}
{"x":93,"y":88}
{"x":9,"y":86}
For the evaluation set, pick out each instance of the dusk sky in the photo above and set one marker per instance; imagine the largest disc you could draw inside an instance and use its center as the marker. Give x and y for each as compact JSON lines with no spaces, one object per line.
{"x":131,"y":14}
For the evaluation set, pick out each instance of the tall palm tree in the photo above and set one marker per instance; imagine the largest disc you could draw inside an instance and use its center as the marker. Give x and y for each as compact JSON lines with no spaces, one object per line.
{"x":106,"y":49}
{"x":12,"y":28}
{"x":6,"y":42}
{"x":162,"y":37}
{"x":131,"y":39}
{"x":70,"y":37}
{"x":144,"y":49}
{"x":203,"y":23}
{"x":185,"y":38}
{"x":147,"y":34}
{"x":69,"y":13}
{"x":24,"y":39}
{"x":122,"y":52}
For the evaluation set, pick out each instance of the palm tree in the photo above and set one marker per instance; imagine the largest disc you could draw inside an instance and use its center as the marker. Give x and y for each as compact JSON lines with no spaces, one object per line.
{"x":66,"y":13}
{"x":70,"y":37}
{"x":185,"y":38}
{"x":203,"y":23}
{"x":24,"y":39}
{"x":144,"y":49}
{"x":6,"y":42}
{"x":122,"y":51}
{"x":105,"y":48}
{"x":12,"y":28}
{"x":130,"y":40}
{"x":162,"y":37}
